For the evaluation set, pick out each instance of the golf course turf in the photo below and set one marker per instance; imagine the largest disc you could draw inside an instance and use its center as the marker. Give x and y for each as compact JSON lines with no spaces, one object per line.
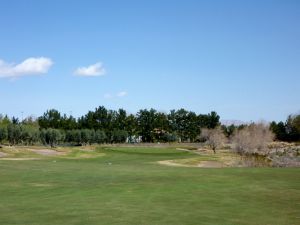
{"x":126,"y":185}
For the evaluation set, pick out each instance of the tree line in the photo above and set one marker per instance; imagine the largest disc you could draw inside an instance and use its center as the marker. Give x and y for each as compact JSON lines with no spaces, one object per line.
{"x":288,"y":130}
{"x":117,"y":126}
{"x":107,"y":126}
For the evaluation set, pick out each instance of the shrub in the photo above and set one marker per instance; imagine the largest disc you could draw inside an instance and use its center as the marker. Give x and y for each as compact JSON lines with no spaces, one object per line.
{"x":215,"y":138}
{"x":119,"y":136}
{"x":252,"y":139}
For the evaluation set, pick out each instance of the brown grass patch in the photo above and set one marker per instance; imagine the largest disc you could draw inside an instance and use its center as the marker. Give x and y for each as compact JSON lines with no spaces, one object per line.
{"x":19,"y":159}
{"x":3,"y":154}
{"x":47,"y":152}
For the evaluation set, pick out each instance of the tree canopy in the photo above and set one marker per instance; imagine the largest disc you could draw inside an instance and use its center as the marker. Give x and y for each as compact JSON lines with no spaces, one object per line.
{"x":105,"y":125}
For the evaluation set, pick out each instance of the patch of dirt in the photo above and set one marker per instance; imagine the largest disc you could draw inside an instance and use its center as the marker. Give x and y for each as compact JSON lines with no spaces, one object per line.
{"x":86,"y":150}
{"x":47,"y":152}
{"x":3,"y":154}
{"x":210,"y":164}
{"x":19,"y":159}
{"x":85,"y":156}
{"x":202,"y":164}
{"x":40,"y":185}
{"x":199,"y":151}
{"x":171,"y":163}
{"x":183,"y":149}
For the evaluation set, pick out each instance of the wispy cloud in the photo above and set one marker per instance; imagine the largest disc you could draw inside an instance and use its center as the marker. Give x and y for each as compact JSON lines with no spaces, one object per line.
{"x":118,"y":95}
{"x":94,"y":70}
{"x":107,"y":96}
{"x":30,"y":66}
{"x":122,"y":94}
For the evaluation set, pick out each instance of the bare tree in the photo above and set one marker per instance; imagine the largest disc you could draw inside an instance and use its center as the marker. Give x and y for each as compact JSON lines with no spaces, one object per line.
{"x":214,"y":137}
{"x":252,"y":139}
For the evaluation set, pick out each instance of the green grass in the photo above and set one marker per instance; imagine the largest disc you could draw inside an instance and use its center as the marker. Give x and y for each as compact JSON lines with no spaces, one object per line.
{"x":144,"y":150}
{"x":126,"y":186}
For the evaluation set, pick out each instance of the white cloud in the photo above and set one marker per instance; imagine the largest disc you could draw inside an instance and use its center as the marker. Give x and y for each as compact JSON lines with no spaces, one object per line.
{"x":108,"y":95}
{"x":91,"y":71}
{"x":30,"y":66}
{"x":119,"y":95}
{"x":122,"y":94}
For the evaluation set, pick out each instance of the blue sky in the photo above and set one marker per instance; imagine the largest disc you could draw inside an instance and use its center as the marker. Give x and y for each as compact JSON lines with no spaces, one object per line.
{"x":239,"y":58}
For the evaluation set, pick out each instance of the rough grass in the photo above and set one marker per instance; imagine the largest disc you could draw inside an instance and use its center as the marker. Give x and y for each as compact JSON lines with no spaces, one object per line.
{"x":127,"y":186}
{"x":40,"y":152}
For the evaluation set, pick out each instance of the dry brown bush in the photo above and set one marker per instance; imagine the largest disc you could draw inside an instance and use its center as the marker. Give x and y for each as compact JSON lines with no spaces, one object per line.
{"x":252,"y":139}
{"x":215,"y":138}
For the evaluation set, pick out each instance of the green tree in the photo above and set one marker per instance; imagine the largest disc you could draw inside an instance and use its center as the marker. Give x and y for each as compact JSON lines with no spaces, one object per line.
{"x":279,"y":130}
{"x":213,"y":120}
{"x":31,"y":121}
{"x":54,"y":136}
{"x":296,"y":122}
{"x":87,"y":121}
{"x":131,"y":126}
{"x":210,"y":120}
{"x":145,"y":121}
{"x":228,"y":130}
{"x":50,"y":119}
{"x":43,"y":136}
{"x":186,"y":124}
{"x":120,"y":120}
{"x":100,"y":137}
{"x":180,"y":123}
{"x":86,"y":136}
{"x":51,"y":136}
{"x":3,"y":133}
{"x":119,"y":136}
{"x":288,"y":131}
{"x":68,"y":123}
{"x":77,"y":136}
{"x":101,"y":118}
{"x":4,"y":120}
{"x":14,"y":134}
{"x":193,"y":128}
{"x":29,"y":134}
{"x":161,"y":126}
{"x":169,"y":137}
{"x":15,"y":120}
{"x":293,"y":127}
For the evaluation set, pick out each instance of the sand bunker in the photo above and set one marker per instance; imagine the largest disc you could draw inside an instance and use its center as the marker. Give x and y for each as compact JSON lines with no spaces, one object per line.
{"x":202,"y":164}
{"x":210,"y":164}
{"x":18,"y":159}
{"x":170,"y":163}
{"x":47,"y":152}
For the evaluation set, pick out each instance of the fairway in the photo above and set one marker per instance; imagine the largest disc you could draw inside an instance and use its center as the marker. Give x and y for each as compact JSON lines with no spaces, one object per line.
{"x":126,"y":185}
